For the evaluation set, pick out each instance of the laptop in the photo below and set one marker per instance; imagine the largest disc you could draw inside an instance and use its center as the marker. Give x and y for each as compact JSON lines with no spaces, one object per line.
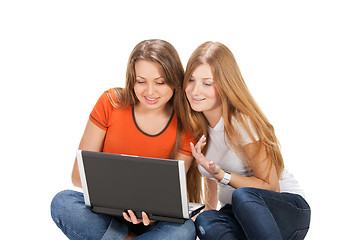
{"x":114,"y":183}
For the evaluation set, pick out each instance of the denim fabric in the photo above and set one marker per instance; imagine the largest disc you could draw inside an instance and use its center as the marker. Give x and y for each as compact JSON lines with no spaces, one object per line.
{"x":257,"y":214}
{"x":77,"y":221}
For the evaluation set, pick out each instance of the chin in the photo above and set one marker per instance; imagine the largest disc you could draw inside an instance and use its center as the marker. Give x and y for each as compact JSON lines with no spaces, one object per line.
{"x":196,"y":108}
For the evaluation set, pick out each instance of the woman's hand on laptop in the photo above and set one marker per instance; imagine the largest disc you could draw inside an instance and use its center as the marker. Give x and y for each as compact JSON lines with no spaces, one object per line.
{"x":132,"y":218}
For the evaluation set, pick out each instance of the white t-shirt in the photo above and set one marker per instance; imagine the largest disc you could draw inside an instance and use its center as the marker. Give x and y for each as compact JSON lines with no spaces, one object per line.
{"x":222,"y":153}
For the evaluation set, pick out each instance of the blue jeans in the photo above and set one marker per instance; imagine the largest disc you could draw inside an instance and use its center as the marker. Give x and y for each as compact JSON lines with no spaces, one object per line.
{"x":77,"y":221}
{"x":257,"y":214}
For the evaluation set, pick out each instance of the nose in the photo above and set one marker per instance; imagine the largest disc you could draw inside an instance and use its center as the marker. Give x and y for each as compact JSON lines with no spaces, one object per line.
{"x":150,"y":89}
{"x":195,"y":88}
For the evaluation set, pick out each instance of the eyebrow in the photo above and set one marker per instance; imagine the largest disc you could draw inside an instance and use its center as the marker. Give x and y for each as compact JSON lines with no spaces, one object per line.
{"x":153,"y":79}
{"x":205,"y":78}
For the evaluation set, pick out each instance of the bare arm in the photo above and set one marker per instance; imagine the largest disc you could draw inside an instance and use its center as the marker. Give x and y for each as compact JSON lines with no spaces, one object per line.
{"x":265,"y":177}
{"x":262,"y":166}
{"x":211,"y":194}
{"x":187,"y":159}
{"x":92,"y":140}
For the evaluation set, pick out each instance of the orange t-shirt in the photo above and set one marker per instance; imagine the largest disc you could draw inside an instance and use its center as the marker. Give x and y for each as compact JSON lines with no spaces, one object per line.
{"x":124,"y":137}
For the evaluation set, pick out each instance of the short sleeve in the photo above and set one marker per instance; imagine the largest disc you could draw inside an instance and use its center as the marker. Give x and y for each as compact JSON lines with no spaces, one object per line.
{"x":101,"y":112}
{"x":243,"y":133}
{"x":185,"y":140}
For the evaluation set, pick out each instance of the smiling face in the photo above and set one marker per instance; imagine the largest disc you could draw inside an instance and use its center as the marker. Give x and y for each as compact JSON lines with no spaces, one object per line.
{"x":201,"y":91}
{"x":150,"y":87}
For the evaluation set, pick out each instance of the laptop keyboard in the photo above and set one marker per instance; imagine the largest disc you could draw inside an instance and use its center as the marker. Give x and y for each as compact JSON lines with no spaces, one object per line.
{"x":192,"y":206}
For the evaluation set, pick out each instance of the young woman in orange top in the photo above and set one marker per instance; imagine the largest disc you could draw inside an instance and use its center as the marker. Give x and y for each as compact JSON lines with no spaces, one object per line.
{"x":139,"y":119}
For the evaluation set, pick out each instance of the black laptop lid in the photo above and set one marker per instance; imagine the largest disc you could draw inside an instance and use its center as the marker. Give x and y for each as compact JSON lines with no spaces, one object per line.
{"x":137,"y":183}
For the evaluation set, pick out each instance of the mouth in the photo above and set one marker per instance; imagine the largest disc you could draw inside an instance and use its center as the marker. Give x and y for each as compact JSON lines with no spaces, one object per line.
{"x":151,"y":100}
{"x":197,"y":99}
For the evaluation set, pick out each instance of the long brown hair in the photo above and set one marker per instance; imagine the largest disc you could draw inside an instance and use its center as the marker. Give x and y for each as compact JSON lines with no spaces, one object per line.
{"x":237,"y":101}
{"x":163,"y":53}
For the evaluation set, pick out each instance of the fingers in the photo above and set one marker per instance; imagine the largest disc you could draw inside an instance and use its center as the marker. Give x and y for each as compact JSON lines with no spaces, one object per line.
{"x":197,"y":155}
{"x":145,"y":219}
{"x":200,"y":144}
{"x":126,"y":217}
{"x":131,"y":217}
{"x":197,"y":149}
{"x":210,"y":166}
{"x":193,"y":150}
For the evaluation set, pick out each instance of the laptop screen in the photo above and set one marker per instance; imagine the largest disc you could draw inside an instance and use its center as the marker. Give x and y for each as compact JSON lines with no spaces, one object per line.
{"x":137,"y":183}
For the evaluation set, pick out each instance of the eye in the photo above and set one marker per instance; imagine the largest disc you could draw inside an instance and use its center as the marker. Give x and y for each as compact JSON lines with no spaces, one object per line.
{"x":207,"y":83}
{"x":161,"y":83}
{"x":139,"y":81}
{"x":191,"y":80}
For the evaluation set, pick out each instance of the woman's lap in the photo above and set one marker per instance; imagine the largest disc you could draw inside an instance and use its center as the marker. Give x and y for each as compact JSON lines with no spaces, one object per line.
{"x":256,"y":214}
{"x":77,"y":221}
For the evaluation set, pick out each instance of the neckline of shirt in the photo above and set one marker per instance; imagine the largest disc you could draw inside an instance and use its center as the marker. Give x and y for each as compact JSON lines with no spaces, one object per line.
{"x":150,"y":135}
{"x":219,"y":126}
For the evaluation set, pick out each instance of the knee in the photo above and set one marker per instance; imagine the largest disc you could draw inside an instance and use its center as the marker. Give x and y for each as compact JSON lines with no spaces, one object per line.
{"x":60,"y":199}
{"x":171,"y":230}
{"x":204,"y":222}
{"x":61,"y":203}
{"x":246,"y":199}
{"x":242,"y":195}
{"x":187,"y":231}
{"x":203,"y":219}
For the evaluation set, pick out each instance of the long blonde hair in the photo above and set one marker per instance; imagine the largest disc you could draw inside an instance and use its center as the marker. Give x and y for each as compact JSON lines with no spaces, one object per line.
{"x":237,"y":101}
{"x":163,"y":53}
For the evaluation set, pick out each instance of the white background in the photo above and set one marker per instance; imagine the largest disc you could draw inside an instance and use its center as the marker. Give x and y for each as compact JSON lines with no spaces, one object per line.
{"x":57,"y":57}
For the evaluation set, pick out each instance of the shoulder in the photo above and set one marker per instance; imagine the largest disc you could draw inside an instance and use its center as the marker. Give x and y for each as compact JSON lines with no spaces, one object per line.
{"x":241,"y":122}
{"x":244,"y":127}
{"x":113,"y":96}
{"x":107,"y":101}
{"x":107,"y":106}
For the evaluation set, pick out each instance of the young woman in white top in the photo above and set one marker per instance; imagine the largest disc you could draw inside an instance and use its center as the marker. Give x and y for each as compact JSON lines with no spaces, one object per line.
{"x":239,"y":155}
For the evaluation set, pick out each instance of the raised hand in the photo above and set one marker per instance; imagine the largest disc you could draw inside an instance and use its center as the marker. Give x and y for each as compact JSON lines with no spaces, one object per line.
{"x":213,"y":169}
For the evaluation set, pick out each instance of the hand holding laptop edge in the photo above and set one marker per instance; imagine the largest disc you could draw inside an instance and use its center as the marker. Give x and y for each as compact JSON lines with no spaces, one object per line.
{"x":133,"y":219}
